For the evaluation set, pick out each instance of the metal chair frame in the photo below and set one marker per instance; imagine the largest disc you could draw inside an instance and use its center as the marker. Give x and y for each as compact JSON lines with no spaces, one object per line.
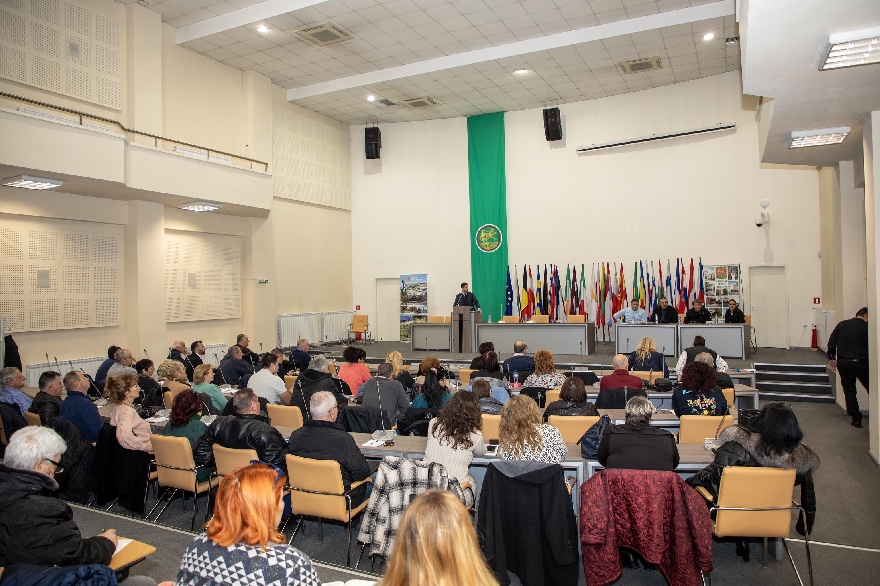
{"x":195,"y":472}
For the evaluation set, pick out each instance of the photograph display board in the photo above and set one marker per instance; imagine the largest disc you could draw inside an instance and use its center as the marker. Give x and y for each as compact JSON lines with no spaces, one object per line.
{"x":413,"y":302}
{"x":722,"y":283}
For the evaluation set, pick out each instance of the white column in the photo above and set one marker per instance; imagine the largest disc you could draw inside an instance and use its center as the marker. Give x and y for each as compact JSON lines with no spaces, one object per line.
{"x":145,"y":280}
{"x":871,"y":130}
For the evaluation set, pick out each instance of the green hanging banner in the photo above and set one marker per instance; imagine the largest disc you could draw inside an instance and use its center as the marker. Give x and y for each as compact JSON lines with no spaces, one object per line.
{"x":488,"y":198}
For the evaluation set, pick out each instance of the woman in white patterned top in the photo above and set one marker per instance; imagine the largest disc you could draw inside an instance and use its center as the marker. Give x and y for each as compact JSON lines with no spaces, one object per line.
{"x":545,"y":374}
{"x":522,"y":436}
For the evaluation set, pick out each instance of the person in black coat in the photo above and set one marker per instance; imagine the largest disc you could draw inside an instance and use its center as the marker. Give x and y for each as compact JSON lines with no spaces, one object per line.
{"x":314,"y":379}
{"x":636,"y":445}
{"x":36,"y":527}
{"x":665,"y":314}
{"x":849,"y":355}
{"x":484,"y":347}
{"x":47,"y":402}
{"x":321,"y":438}
{"x":194,"y":358}
{"x":233,"y":368}
{"x":152,"y":391}
{"x":734,"y":314}
{"x":572,"y":400}
{"x":697,"y":314}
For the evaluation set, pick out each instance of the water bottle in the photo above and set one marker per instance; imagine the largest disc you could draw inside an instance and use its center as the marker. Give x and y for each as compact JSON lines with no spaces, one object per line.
{"x":490,"y":318}
{"x":515,"y":378}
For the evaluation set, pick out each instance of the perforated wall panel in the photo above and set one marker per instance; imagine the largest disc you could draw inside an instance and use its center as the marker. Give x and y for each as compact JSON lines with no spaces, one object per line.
{"x":84,"y":265}
{"x":310,"y":160}
{"x":63,"y":47}
{"x":214,"y":290}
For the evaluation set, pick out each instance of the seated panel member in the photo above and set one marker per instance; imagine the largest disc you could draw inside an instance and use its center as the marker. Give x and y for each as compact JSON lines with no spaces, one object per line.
{"x":632,"y":314}
{"x":665,"y":313}
{"x":466,"y":298}
{"x":697,"y":314}
{"x":734,"y":314}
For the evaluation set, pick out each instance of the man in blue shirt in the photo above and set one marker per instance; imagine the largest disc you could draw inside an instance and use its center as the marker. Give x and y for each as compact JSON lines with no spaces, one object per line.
{"x":11,"y":383}
{"x":78,"y":408}
{"x":105,"y":366}
{"x":300,"y":355}
{"x":632,"y":314}
{"x":519,"y":361}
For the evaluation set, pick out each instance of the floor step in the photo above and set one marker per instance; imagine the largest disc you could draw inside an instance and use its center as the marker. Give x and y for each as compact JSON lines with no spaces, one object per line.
{"x":791,"y":376}
{"x":794,"y":387}
{"x":763,"y":366}
{"x":795,"y":397}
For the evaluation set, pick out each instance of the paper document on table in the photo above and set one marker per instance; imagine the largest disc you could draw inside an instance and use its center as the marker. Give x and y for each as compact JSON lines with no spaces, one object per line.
{"x":120,"y":544}
{"x":157,"y":419}
{"x":373,"y":443}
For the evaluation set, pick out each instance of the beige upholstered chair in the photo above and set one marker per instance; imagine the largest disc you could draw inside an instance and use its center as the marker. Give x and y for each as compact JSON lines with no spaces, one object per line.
{"x":572,"y":427}
{"x":696,"y":428}
{"x":178,"y":471}
{"x":284,"y":416}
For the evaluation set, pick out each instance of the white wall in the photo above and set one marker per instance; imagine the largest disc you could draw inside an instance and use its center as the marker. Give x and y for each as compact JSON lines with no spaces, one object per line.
{"x":682,"y":198}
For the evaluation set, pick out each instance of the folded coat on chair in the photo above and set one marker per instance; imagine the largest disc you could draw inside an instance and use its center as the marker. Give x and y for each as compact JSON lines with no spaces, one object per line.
{"x":671,"y":529}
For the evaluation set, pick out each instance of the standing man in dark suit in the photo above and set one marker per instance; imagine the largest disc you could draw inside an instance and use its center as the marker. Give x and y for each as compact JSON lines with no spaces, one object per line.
{"x":848,"y":353}
{"x":665,"y":314}
{"x":466,"y":298}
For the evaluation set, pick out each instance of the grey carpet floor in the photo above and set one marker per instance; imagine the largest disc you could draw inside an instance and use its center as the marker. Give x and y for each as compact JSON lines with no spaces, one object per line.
{"x":847,"y":486}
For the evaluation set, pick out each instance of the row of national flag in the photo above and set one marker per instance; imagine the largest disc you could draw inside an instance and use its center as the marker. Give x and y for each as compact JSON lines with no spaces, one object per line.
{"x":606,"y":292}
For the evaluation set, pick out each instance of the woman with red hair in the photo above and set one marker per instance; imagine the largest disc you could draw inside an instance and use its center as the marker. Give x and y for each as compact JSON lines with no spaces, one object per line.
{"x":242,"y":541}
{"x":698,"y":394}
{"x":185,"y":421}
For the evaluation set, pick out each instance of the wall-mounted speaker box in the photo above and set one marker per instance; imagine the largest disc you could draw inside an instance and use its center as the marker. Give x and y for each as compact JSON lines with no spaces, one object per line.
{"x":372,"y":142}
{"x":552,"y":124}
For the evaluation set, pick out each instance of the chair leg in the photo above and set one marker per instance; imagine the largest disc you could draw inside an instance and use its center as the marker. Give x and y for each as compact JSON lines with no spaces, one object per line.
{"x":348,"y":559}
{"x":764,"y":555}
{"x":295,"y":529}
{"x":158,"y":500}
{"x":794,"y":567}
{"x":156,"y":520}
{"x":360,"y":555}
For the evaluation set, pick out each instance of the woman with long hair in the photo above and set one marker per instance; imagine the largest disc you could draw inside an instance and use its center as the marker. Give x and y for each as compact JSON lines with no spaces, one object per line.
{"x":773,"y":439}
{"x":354,"y":372}
{"x":572,"y":400}
{"x":698,"y":394}
{"x":185,"y":421}
{"x":242,"y":538}
{"x":645,"y":357}
{"x":203,"y":382}
{"x":522,"y":436}
{"x":490,"y":371}
{"x":172,"y":375}
{"x":436,"y":545}
{"x":545,"y":374}
{"x":401,"y":371}
{"x":434,"y":393}
{"x":132,"y":432}
{"x":455,"y":437}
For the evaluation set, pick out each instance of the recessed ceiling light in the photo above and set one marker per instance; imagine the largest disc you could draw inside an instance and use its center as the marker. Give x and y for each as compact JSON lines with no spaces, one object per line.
{"x":853,"y":49}
{"x":708,"y":36}
{"x":200,"y":206}
{"x":818,"y":137}
{"x":262,"y":29}
{"x":31,"y":182}
{"x":371,"y":98}
{"x":521,"y":72}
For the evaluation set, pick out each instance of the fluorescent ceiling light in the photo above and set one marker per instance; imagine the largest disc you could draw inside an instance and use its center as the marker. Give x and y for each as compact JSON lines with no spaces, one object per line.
{"x":521,"y":72}
{"x":31,"y":182}
{"x":852,"y":49}
{"x":200,"y":206}
{"x":818,"y":137}
{"x":371,"y":98}
{"x":262,"y":29}
{"x":708,"y":36}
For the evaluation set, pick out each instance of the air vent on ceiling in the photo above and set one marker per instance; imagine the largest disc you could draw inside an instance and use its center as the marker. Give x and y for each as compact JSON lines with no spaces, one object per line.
{"x":386,"y":102}
{"x":641,"y":65}
{"x":325,"y":34}
{"x":419,"y":103}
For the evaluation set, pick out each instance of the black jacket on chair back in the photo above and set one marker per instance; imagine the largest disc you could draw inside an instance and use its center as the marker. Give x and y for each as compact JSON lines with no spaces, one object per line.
{"x":245,"y":432}
{"x":310,"y":382}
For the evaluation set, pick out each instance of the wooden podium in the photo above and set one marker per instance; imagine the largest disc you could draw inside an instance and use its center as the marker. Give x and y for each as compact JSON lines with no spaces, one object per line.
{"x":463,"y":330}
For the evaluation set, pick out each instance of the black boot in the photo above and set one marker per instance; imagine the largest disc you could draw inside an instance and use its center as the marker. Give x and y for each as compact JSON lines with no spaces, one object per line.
{"x":742,"y":548}
{"x":629,"y":559}
{"x":857,"y":420}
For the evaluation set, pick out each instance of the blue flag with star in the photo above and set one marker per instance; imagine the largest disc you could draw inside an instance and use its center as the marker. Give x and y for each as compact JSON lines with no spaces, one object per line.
{"x":509,"y":309}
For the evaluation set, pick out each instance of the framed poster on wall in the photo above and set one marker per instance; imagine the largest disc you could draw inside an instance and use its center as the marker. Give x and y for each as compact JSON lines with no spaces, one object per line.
{"x":722,"y":283}
{"x":413,"y":302}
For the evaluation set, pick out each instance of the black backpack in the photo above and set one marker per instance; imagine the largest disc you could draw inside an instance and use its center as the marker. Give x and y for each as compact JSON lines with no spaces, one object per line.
{"x":590,"y":440}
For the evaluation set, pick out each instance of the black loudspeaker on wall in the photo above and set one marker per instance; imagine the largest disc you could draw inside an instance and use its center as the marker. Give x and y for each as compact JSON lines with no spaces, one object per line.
{"x":552,"y":124}
{"x":372,"y":142}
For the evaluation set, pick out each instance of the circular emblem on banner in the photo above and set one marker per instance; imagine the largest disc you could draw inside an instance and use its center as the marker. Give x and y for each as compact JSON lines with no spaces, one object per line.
{"x":488,"y":238}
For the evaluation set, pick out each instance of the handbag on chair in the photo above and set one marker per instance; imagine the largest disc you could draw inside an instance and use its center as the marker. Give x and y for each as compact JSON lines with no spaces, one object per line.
{"x":592,"y":437}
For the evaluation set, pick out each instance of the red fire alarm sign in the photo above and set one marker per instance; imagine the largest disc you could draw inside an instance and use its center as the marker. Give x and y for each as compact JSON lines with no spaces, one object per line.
{"x":815,"y":301}
{"x":358,"y":307}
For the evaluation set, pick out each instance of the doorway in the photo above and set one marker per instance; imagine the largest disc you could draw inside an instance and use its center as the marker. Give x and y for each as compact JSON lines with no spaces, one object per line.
{"x":388,"y":310}
{"x":768,"y":301}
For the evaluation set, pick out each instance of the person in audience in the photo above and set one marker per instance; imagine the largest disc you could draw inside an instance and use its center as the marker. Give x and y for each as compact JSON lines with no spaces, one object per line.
{"x":437,"y":545}
{"x":427,"y":364}
{"x":186,"y":421}
{"x":620,"y":378}
{"x":572,"y":400}
{"x":178,"y":351}
{"x":203,"y":382}
{"x":722,"y":379}
{"x":248,"y":355}
{"x":283,"y":365}
{"x":38,"y":528}
{"x":354,"y":372}
{"x":47,"y":402}
{"x":734,"y":315}
{"x":434,"y":393}
{"x":697,"y":314}
{"x":242,"y":431}
{"x":300,"y":355}
{"x":132,"y":432}
{"x":637,"y":445}
{"x":195,"y":358}
{"x":321,"y":438}
{"x":101,"y":374}
{"x":315,"y":378}
{"x":698,"y":393}
{"x":233,"y":368}
{"x":690,"y":354}
{"x":242,"y":543}
{"x":124,"y":363}
{"x":484,"y":347}
{"x":400,"y":370}
{"x":522,"y":436}
{"x":455,"y":437}
{"x":665,"y":313}
{"x":266,"y":384}
{"x":850,"y":356}
{"x":78,"y":408}
{"x":382,"y":391}
{"x":545,"y":374}
{"x":520,"y":361}
{"x":173,"y":377}
{"x":633,"y":314}
{"x":773,"y":439}
{"x":149,"y":385}
{"x":645,"y":357}
{"x":482,"y":390}
{"x":491,"y":371}
{"x":11,"y":385}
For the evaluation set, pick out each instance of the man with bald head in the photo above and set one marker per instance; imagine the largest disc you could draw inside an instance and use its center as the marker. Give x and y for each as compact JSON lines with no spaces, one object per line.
{"x":621,"y":378}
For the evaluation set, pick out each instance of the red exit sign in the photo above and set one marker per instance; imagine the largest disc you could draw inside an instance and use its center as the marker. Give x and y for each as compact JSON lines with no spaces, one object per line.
{"x":816,"y":301}
{"x":358,"y":307}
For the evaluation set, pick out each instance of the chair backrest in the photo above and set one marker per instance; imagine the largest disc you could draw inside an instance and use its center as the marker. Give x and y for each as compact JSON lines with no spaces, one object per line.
{"x":32,"y":419}
{"x":730,"y":397}
{"x":510,"y":319}
{"x":611,"y":399}
{"x":755,"y":488}
{"x":576,"y":318}
{"x":436,"y":319}
{"x":464,"y":375}
{"x":174,"y":452}
{"x":309,"y":477}
{"x":572,"y":427}
{"x":331,"y":368}
{"x":536,"y":393}
{"x":359,"y":323}
{"x":230,"y":459}
{"x":648,"y":375}
{"x":541,"y":319}
{"x":168,"y":399}
{"x":696,"y":428}
{"x":552,"y":395}
{"x":285,"y":416}
{"x":289,"y":381}
{"x":10,"y":420}
{"x":491,"y":423}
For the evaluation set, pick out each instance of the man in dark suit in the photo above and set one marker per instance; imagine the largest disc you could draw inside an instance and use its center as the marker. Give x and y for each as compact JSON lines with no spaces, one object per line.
{"x":197,"y":350}
{"x":466,"y":298}
{"x":666,"y":314}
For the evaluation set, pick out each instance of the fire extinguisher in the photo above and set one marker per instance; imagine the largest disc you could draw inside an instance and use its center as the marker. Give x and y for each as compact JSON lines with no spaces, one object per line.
{"x":815,"y":343}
